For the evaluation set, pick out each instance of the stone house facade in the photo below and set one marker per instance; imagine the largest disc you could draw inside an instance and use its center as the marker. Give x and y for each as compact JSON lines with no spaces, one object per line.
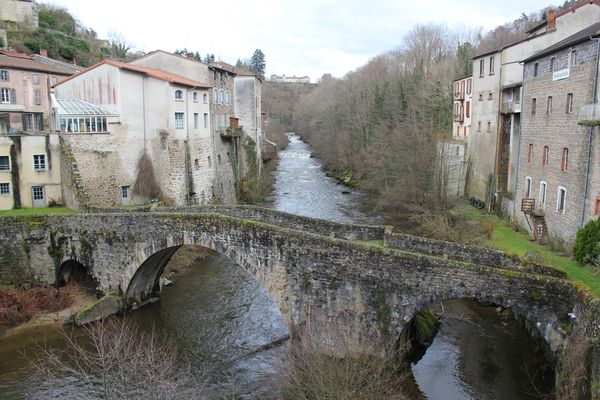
{"x":497,"y":86}
{"x":150,"y":111}
{"x":21,"y":11}
{"x":559,"y":160}
{"x":248,"y":107}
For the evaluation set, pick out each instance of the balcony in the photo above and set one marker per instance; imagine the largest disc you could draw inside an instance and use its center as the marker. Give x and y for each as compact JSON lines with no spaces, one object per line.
{"x":510,"y":107}
{"x":232,"y":132}
{"x":589,"y":115}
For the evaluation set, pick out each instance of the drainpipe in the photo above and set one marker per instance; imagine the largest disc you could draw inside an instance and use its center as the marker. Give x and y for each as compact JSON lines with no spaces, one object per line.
{"x":590,"y":134}
{"x":187,"y":147}
{"x":494,"y":185}
{"x":144,"y":109}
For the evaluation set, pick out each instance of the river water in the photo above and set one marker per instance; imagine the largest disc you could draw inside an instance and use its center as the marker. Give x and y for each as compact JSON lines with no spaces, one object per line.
{"x":217,"y":314}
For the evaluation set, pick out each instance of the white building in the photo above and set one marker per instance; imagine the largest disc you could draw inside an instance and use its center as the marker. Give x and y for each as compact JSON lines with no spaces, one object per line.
{"x":113,"y":113}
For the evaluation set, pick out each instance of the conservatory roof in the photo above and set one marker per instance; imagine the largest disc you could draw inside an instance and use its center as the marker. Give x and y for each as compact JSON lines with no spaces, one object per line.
{"x":80,"y":108}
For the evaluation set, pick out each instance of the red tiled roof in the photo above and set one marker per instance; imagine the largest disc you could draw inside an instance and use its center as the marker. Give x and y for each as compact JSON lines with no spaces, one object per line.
{"x":22,"y":61}
{"x":155,"y":73}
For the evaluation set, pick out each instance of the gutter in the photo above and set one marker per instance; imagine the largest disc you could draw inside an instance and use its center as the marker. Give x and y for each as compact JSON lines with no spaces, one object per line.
{"x":590,"y":134}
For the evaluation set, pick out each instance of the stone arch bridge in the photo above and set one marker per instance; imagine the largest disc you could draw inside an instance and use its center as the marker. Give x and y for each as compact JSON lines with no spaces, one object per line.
{"x":364,"y":277}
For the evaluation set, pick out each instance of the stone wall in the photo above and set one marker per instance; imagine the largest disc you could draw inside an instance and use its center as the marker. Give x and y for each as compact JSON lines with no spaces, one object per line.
{"x":19,"y":11}
{"x":557,"y":129}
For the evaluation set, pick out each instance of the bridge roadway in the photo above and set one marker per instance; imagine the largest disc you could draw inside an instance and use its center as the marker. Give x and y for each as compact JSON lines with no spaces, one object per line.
{"x":363,"y":278}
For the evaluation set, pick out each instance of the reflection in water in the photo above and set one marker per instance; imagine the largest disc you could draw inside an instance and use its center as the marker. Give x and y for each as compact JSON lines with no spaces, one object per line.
{"x":479,"y":354}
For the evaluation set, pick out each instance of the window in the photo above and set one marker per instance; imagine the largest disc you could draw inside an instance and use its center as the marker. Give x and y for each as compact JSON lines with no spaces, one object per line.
{"x":530,"y":152}
{"x":569,"y":103}
{"x":36,"y":79}
{"x":552,"y":64}
{"x":561,"y":200}
{"x":489,"y":126}
{"x":209,"y":161}
{"x":32,"y":121}
{"x":5,"y":96}
{"x":197,"y":163}
{"x":492,"y":65}
{"x":517,"y":95}
{"x":178,"y":120}
{"x":178,"y":95}
{"x":549,"y":105}
{"x":37,"y":97}
{"x":195,"y":120}
{"x":564,"y":159}
{"x":39,"y":162}
{"x":215,"y":95}
{"x":528,"y":187}
{"x":478,"y":126}
{"x":481,"y":68}
{"x":219,"y":159}
{"x":597,"y":206}
{"x":533,"y":105}
{"x":124,"y":192}
{"x":542,"y":199}
{"x":205,"y":120}
{"x":4,"y":75}
{"x":535,"y":69}
{"x":469,"y":86}
{"x":545,"y":155}
{"x":468,"y":109}
{"x":195,"y":97}
{"x":480,"y":97}
{"x":83,"y":125}
{"x":205,"y":98}
{"x":490,"y":96}
{"x":4,"y":188}
{"x":4,"y":163}
{"x":573,"y":57}
{"x":37,"y":192}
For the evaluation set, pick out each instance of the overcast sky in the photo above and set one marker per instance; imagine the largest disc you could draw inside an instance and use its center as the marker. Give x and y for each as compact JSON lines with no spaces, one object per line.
{"x":306,"y":37}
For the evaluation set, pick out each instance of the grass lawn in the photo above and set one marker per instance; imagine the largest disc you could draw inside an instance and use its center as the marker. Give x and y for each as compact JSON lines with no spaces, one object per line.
{"x":504,"y":237}
{"x":37,"y":211}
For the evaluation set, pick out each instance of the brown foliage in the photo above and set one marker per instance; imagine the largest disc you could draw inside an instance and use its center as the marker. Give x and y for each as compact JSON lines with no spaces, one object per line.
{"x":19,"y":306}
{"x":145,"y":184}
{"x":573,"y":381}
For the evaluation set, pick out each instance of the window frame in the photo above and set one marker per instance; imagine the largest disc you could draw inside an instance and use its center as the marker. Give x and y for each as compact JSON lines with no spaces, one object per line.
{"x":530,"y":152}
{"x":196,"y":119}
{"x":564,"y":159}
{"x":35,"y":78}
{"x":4,"y":75}
{"x":39,"y":162}
{"x":536,"y":68}
{"x":179,"y":95}
{"x":491,"y":65}
{"x":4,"y":185}
{"x":563,"y":198}
{"x":528,"y":186}
{"x":569,"y":103}
{"x":482,"y":68}
{"x":195,"y":97}
{"x":545,"y":155}
{"x":549,"y":105}
{"x":533,"y":105}
{"x":5,"y":96}
{"x":543,"y":194}
{"x":179,"y":120}
{"x":9,"y":164}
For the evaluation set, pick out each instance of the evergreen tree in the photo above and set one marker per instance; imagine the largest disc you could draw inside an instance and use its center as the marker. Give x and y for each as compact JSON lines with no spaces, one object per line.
{"x":257,"y":63}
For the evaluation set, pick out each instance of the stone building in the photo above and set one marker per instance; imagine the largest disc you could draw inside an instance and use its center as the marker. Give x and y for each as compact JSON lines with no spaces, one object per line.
{"x":113,"y":113}
{"x":248,"y":107}
{"x":289,"y":79}
{"x":496,"y":110}
{"x":24,"y":92}
{"x":558,"y":181}
{"x":21,"y":11}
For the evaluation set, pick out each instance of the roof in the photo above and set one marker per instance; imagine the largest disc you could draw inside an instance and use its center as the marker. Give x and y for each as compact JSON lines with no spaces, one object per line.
{"x":27,"y":63}
{"x":242,"y":71}
{"x":560,"y":14}
{"x":153,"y":72}
{"x":73,"y":68}
{"x":581,"y":36}
{"x":221,"y":65}
{"x":78,"y":107}
{"x":167,"y":53}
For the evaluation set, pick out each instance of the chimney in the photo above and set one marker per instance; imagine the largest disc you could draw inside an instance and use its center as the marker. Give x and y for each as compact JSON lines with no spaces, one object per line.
{"x":44,"y":52}
{"x":74,"y":61}
{"x":551,"y":19}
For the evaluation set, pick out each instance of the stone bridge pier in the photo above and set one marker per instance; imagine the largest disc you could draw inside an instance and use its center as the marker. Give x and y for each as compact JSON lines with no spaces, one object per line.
{"x":311,"y":270}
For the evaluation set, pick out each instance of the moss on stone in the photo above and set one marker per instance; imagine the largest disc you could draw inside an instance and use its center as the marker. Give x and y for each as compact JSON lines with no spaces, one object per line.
{"x":383,"y":311}
{"x":426,"y":326}
{"x":106,"y":306}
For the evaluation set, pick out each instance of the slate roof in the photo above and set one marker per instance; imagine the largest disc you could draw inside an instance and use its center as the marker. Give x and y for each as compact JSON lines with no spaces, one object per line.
{"x":581,"y":36}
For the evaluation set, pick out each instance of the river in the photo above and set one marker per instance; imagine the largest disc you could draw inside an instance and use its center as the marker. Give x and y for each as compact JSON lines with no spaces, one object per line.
{"x":216,"y":312}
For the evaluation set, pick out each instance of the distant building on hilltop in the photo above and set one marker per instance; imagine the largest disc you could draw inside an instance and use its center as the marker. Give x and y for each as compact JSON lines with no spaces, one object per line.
{"x":289,"y":79}
{"x":21,"y":11}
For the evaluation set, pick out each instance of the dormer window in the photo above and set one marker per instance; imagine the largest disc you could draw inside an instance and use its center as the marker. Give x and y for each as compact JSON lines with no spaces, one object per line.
{"x":178,"y":95}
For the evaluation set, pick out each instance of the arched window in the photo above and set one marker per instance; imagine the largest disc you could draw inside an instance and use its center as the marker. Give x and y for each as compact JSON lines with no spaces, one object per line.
{"x":195,"y":97}
{"x":205,"y":98}
{"x":178,"y":95}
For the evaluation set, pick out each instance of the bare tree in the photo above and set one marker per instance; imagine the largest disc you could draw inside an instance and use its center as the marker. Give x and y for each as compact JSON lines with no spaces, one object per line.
{"x":114,"y":360}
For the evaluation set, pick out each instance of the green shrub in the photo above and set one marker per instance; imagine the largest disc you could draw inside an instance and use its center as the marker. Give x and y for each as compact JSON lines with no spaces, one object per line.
{"x":587,"y":243}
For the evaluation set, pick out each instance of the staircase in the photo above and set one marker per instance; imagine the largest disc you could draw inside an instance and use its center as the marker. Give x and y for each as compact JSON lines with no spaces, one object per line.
{"x":535,"y":219}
